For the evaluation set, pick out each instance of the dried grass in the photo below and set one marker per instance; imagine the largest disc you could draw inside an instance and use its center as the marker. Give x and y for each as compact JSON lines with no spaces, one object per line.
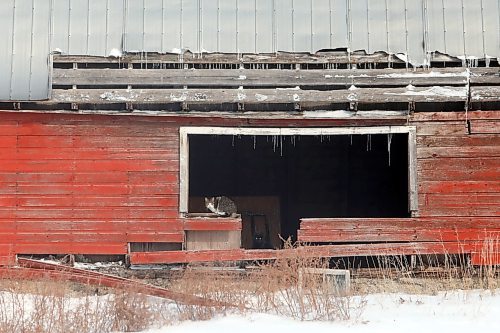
{"x":284,"y":287}
{"x":50,"y":307}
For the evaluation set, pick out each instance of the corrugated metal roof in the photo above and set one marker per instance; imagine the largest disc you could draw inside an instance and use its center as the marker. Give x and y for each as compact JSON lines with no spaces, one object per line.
{"x":24,"y":49}
{"x":468,"y":29}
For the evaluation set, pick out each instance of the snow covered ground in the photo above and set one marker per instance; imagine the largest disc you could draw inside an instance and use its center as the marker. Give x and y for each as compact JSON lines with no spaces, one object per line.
{"x":456,"y":311}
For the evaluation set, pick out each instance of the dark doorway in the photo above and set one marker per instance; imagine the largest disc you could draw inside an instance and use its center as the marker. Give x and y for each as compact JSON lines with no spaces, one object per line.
{"x":311,"y":176}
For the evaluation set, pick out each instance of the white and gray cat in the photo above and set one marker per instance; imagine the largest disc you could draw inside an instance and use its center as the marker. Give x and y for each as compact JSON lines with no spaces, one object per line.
{"x":222,"y":206}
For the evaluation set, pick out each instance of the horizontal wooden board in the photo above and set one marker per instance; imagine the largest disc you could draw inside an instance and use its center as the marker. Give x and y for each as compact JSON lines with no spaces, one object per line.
{"x":345,"y":250}
{"x":129,"y":129}
{"x":8,"y":141}
{"x":485,"y":126}
{"x":40,"y":154}
{"x":61,"y":141}
{"x":475,"y":210}
{"x":93,"y":237}
{"x":460,"y":151}
{"x":403,"y":235}
{"x":63,"y":177}
{"x":442,"y":128}
{"x":104,"y":177}
{"x":185,"y":256}
{"x":485,"y":93}
{"x":83,"y":166}
{"x":486,"y":258}
{"x":254,"y":96}
{"x":368,"y":224}
{"x":262,"y":77}
{"x":71,"y":248}
{"x":156,"y":237}
{"x":456,"y":200}
{"x":90,"y":212}
{"x":170,"y":121}
{"x":456,"y":186}
{"x":466,"y":141}
{"x":125,"y":226}
{"x":454,"y":116}
{"x":165,"y":201}
{"x":97,"y":189}
{"x":320,"y":57}
{"x":212,"y":224}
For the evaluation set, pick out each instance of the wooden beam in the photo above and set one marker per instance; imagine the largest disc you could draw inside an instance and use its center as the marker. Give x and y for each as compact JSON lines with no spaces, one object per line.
{"x":333,"y":57}
{"x":194,"y":97}
{"x":326,"y":251}
{"x":485,"y":94}
{"x":269,"y":78}
{"x":212,"y":224}
{"x":327,"y":57}
{"x":205,"y":130}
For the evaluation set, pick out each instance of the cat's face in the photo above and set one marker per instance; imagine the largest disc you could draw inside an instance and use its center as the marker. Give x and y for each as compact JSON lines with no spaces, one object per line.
{"x":209,"y":201}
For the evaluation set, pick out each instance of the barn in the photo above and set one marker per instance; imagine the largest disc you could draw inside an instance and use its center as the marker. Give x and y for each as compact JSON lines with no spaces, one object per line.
{"x":357,"y":128}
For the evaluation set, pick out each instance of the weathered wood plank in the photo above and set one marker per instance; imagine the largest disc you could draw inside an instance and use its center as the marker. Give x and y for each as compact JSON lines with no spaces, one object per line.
{"x":98,"y":213}
{"x":158,"y":177}
{"x":442,"y":128}
{"x":338,"y":57}
{"x":95,"y":201}
{"x":484,"y":76}
{"x":403,"y":235}
{"x":60,"y":141}
{"x":87,"y":166}
{"x":259,"y":96}
{"x":460,"y":151}
{"x":430,"y":248}
{"x":163,"y":121}
{"x":89,"y":226}
{"x":76,"y":247}
{"x":485,"y":93}
{"x":454,"y":116}
{"x":473,"y":210}
{"x":485,"y":126}
{"x":457,"y":186}
{"x":490,"y":256}
{"x":396,"y":224}
{"x":87,"y":153}
{"x":212,"y":224}
{"x":322,"y":57}
{"x":104,"y":237}
{"x":467,"y":141}
{"x":261,"y":78}
{"x":98,"y":189}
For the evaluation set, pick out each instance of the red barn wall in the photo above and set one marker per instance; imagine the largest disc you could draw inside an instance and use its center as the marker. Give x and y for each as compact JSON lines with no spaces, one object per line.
{"x":459,"y":173}
{"x":87,"y":184}
{"x":91,"y":184}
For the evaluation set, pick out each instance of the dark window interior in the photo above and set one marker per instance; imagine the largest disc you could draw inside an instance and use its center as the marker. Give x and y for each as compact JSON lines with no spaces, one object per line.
{"x":313,"y":176}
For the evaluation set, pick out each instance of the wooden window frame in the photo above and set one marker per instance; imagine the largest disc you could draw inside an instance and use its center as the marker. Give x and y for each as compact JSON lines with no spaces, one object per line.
{"x":184,"y":133}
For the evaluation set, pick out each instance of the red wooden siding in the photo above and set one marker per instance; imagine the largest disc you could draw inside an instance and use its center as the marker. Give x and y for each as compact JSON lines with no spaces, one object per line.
{"x":91,"y":184}
{"x":87,"y":184}
{"x":458,"y":172}
{"x":458,"y":175}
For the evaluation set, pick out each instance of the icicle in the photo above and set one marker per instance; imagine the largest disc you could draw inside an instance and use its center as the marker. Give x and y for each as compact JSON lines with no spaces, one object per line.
{"x":232,"y":140}
{"x":369,"y":142}
{"x":281,"y":145}
{"x":389,"y":141}
{"x":350,"y":137}
{"x":254,"y":141}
